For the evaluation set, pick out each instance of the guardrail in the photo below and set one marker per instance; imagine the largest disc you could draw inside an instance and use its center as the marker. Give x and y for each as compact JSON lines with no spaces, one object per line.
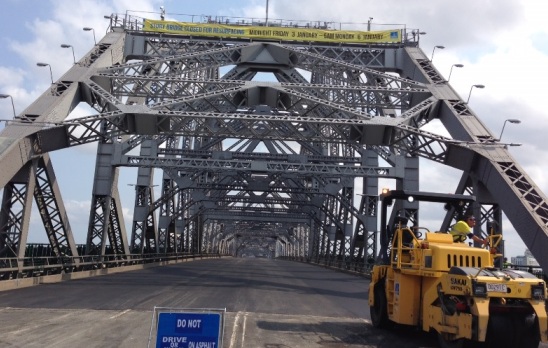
{"x":14,"y":268}
{"x":134,"y":22}
{"x":360,"y":267}
{"x":535,"y":270}
{"x":365,"y":268}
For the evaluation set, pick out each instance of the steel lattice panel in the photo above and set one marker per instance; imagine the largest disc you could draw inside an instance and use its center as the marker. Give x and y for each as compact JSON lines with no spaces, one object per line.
{"x":232,"y":149}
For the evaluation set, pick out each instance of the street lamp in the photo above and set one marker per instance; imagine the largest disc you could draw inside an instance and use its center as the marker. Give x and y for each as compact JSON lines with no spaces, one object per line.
{"x":470,"y":93}
{"x":369,"y":23}
{"x":511,"y":120}
{"x":70,"y":46}
{"x":3,"y":96}
{"x":440,"y":47}
{"x":416,"y":34}
{"x":50,"y":72}
{"x":93,"y":30}
{"x":266,"y":18}
{"x":146,"y":189}
{"x":451,"y":71}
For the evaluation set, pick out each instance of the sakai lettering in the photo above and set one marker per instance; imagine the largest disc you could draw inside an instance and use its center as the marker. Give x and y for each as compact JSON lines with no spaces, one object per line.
{"x":458,"y":281}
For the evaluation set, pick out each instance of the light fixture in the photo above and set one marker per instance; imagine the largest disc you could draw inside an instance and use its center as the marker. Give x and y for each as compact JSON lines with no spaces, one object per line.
{"x":417,"y":34}
{"x":70,"y":46}
{"x":511,"y":120}
{"x":440,"y":47}
{"x":50,"y":72}
{"x":470,"y":93}
{"x":3,"y":96}
{"x":93,"y":30}
{"x":451,"y":71}
{"x":137,"y":185}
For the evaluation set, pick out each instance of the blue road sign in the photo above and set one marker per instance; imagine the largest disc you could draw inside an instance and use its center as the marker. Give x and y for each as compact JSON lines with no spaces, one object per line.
{"x":188,"y":330}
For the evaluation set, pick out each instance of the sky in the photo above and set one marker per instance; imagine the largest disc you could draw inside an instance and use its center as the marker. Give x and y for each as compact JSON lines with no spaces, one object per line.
{"x":503,"y":45}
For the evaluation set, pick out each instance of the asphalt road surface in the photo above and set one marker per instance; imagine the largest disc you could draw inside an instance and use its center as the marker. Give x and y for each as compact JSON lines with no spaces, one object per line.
{"x":269,"y":303}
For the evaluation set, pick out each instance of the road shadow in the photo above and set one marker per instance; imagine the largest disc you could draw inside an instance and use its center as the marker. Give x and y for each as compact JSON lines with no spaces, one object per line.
{"x":353,"y":333}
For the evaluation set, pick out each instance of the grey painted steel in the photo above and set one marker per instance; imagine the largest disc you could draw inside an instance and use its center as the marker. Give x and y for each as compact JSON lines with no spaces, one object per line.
{"x":244,"y":161}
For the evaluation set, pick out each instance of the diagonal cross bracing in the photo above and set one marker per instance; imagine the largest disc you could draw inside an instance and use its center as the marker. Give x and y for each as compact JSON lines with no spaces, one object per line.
{"x":308,"y":146}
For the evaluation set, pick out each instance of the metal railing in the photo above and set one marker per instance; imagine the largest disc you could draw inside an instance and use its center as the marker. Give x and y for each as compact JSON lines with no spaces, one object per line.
{"x":34,"y":266}
{"x":136,"y":23}
{"x":356,"y":266}
{"x":365,"y":268}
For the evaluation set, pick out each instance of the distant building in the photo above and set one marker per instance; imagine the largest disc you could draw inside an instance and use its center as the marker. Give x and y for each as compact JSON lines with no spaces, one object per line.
{"x":526,"y":260}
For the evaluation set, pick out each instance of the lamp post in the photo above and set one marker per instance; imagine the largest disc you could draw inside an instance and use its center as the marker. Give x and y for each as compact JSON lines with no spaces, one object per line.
{"x":511,"y":120}
{"x":415,"y":33}
{"x":93,"y":30}
{"x":440,"y":47}
{"x":266,"y":17}
{"x":470,"y":93}
{"x":451,"y":71}
{"x":50,"y":72}
{"x":146,"y":189}
{"x":369,"y":23}
{"x":3,"y":96}
{"x":70,"y":46}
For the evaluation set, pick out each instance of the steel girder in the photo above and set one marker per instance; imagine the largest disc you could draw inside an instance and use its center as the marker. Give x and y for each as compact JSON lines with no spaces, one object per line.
{"x":16,"y":205}
{"x":52,"y":211}
{"x":357,"y":99}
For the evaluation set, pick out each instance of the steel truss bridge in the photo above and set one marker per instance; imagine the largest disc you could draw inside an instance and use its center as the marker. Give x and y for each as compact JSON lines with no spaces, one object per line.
{"x":285,"y":167}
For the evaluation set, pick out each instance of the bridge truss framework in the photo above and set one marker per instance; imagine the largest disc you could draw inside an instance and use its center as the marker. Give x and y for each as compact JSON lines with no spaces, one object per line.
{"x":288,"y":167}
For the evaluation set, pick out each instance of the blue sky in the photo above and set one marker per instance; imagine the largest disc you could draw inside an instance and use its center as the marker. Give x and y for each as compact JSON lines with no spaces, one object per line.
{"x":502,"y":44}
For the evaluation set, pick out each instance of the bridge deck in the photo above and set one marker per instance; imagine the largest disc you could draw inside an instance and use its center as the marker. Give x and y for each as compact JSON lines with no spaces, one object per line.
{"x":270,"y":303}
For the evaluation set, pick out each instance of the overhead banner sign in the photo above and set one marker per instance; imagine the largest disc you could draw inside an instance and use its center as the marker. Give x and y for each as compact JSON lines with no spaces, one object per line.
{"x":272,"y":33}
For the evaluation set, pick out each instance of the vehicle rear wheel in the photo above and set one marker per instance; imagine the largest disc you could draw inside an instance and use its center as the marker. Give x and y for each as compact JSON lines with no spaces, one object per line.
{"x":513,"y":331}
{"x":379,"y":311}
{"x":445,"y":341}
{"x":500,"y":332}
{"x":527,"y":333}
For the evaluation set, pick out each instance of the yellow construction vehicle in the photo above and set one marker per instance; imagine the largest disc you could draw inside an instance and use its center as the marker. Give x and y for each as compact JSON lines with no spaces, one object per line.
{"x":424,"y":279}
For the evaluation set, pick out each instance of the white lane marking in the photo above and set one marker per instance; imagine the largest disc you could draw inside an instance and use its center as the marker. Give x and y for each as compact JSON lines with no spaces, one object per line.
{"x":234,"y":329}
{"x":243,"y":330}
{"x":120,"y":314}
